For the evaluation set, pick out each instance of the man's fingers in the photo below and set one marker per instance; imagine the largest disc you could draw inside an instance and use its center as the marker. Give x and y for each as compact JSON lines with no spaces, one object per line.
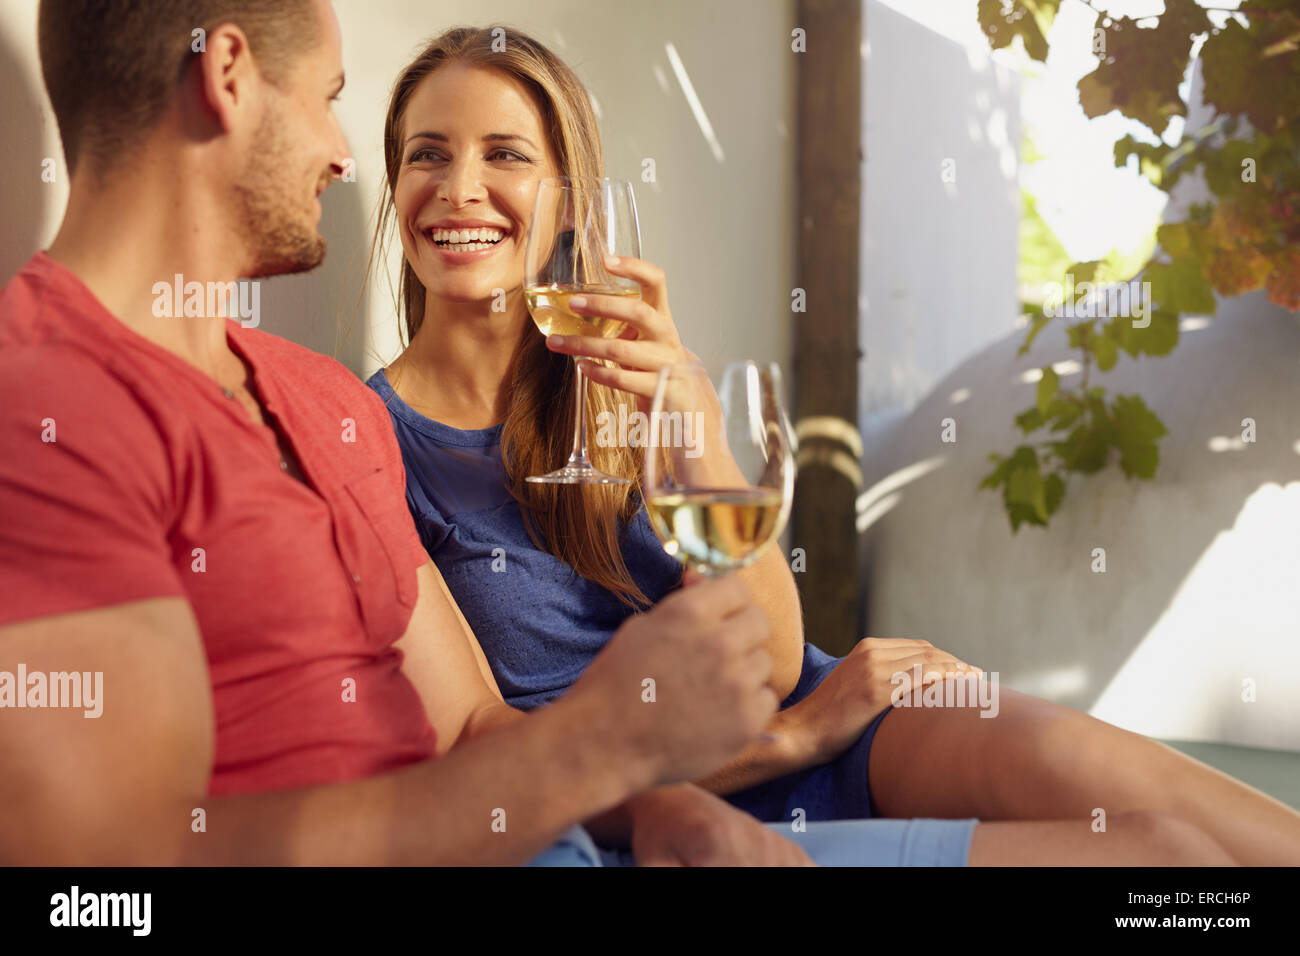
{"x":715,"y":599}
{"x":785,"y":852}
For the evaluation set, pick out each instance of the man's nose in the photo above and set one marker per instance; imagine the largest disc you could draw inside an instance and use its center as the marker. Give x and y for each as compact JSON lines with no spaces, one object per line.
{"x":342,"y":163}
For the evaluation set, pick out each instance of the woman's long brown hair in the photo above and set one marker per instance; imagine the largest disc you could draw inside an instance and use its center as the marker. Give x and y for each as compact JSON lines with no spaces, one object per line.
{"x":580,"y":524}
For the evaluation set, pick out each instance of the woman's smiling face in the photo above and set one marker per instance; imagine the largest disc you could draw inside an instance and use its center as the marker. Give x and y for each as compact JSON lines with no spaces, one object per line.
{"x":474,"y":150}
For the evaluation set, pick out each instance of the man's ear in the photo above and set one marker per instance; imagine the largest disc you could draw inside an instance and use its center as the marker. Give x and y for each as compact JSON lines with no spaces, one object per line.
{"x":227,"y":74}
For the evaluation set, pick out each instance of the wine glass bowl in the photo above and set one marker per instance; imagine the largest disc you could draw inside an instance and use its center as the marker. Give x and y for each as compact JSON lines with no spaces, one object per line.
{"x":577,"y":221}
{"x":719,"y":469}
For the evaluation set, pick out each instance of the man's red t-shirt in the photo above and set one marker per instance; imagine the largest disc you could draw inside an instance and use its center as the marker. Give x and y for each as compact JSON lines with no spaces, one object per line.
{"x":156,"y":484}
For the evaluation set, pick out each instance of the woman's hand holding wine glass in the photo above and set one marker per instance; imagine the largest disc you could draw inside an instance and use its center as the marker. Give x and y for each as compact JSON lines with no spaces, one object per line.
{"x":577,"y":222}
{"x":647,"y":341}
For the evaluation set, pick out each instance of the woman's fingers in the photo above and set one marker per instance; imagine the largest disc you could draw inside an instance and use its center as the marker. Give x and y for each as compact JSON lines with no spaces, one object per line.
{"x":636,"y":383}
{"x":651,"y":279}
{"x":934,"y":668}
{"x":893,"y":648}
{"x":870,"y":642}
{"x":637,"y":313}
{"x":635,"y":354}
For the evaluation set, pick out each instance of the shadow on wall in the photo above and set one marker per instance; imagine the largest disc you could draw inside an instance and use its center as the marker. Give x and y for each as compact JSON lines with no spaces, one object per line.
{"x":941,"y":210}
{"x":1198,"y":593}
{"x":25,"y":199}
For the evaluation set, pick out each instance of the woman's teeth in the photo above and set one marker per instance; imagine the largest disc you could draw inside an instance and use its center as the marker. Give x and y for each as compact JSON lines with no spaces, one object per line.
{"x":466,"y":240}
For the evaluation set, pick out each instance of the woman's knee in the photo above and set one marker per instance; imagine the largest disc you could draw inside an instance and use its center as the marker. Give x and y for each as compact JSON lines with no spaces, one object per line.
{"x":1170,"y":840}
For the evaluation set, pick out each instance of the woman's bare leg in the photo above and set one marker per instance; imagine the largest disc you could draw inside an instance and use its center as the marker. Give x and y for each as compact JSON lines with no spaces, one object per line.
{"x":1131,"y":839}
{"x":1040,"y":761}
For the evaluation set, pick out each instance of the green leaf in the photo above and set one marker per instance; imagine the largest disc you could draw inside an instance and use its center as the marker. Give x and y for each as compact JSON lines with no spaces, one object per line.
{"x":1158,"y":338}
{"x":1018,"y":468}
{"x":1085,"y":271}
{"x":1153,"y":160}
{"x":1023,"y":457}
{"x":1139,"y":461}
{"x":1086,"y":449}
{"x":1004,"y":20}
{"x":1048,"y":386}
{"x":1174,"y":239}
{"x":1036,"y":325}
{"x":1094,"y":451}
{"x":1137,"y":429}
{"x":1063,"y":412}
{"x":1134,"y":421}
{"x":1030,"y":419}
{"x":1025,"y":487}
{"x":1223,"y":166}
{"x":1141,"y":68}
{"x":1180,"y":286}
{"x":1053,"y":491}
{"x":1079,"y":333}
{"x":1105,"y":350}
{"x":1022,"y":514}
{"x":1239,"y":79}
{"x":994,"y":478}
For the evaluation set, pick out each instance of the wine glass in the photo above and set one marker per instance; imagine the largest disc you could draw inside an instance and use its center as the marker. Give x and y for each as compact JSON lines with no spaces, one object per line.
{"x":577,"y":221}
{"x":719,"y":466}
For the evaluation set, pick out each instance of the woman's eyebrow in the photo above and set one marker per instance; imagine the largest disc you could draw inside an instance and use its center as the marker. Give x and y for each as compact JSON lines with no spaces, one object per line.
{"x":498,"y":137}
{"x":489,"y":138}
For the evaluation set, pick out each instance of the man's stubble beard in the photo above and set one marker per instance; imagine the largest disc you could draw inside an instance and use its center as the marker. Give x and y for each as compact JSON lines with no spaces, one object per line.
{"x":279,"y":237}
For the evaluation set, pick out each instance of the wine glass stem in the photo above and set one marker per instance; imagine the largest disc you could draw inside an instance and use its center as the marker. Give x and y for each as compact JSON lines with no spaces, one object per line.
{"x":578,"y":456}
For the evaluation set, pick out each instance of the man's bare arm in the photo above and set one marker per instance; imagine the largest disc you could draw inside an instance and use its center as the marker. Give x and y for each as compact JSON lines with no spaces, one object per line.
{"x":123,"y":787}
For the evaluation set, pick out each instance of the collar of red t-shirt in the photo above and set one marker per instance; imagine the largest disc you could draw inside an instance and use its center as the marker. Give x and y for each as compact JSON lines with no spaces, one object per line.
{"x":129,"y":474}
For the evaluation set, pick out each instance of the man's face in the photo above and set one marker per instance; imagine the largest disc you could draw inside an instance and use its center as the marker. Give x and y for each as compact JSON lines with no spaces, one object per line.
{"x":297,"y":150}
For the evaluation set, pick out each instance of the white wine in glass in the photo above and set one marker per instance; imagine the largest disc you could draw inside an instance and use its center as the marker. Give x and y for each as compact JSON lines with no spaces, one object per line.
{"x":576,"y":222}
{"x":716,"y":528}
{"x":549,"y":307}
{"x":718,"y":501}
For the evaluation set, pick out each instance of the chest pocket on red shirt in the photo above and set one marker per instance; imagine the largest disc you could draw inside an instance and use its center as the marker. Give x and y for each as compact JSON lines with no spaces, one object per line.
{"x":387,"y":587}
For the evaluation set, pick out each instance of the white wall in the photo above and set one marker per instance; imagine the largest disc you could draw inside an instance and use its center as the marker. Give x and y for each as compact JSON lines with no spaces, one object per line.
{"x":720,"y":225}
{"x":938,"y":257}
{"x":1198,"y":601}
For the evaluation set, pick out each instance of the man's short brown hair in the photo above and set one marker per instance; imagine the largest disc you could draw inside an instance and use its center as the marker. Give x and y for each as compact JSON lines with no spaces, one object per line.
{"x":111,"y":66}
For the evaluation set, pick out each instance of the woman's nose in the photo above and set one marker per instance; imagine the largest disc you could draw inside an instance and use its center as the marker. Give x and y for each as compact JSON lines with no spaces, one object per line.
{"x":461,"y":184}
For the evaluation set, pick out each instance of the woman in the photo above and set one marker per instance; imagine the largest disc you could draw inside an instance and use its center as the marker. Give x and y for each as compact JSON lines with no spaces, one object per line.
{"x":545,"y":573}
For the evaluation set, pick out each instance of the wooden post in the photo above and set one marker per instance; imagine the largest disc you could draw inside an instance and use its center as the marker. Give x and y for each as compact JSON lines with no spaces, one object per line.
{"x":826,"y":354}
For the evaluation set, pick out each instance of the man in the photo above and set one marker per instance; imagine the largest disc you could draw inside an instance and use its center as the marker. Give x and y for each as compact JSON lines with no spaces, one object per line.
{"x":206,"y":526}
